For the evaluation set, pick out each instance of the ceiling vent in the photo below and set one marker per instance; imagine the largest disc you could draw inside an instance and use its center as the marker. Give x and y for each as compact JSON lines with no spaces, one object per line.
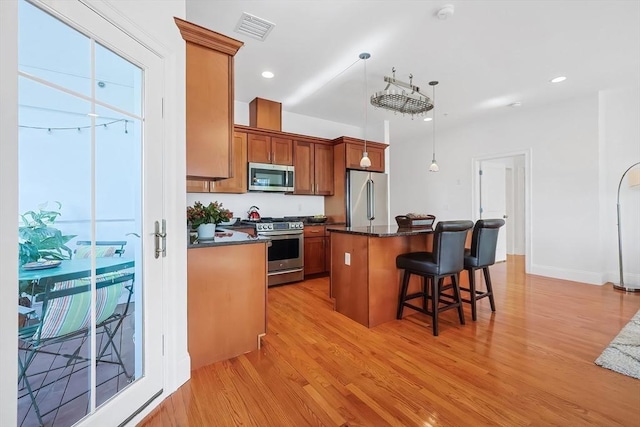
{"x":254,"y":27}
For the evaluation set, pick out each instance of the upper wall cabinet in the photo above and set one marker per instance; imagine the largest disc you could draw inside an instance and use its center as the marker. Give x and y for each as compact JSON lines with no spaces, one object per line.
{"x":209,"y":93}
{"x":270,"y":149}
{"x":313,"y":168}
{"x":354,"y":154}
{"x":236,"y":184}
{"x":349,"y":152}
{"x":265,"y":114}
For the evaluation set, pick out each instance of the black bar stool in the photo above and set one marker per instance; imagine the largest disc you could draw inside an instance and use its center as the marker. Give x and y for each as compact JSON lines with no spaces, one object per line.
{"x":481,"y":255}
{"x":447,"y":259}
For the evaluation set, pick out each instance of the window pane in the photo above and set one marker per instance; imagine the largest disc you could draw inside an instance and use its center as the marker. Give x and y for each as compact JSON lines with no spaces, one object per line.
{"x":118,"y":81}
{"x":53,"y":51}
{"x":54,"y":178}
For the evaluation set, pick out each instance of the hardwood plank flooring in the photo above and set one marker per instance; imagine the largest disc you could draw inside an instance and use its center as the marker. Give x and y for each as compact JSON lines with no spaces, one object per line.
{"x":529,"y":363}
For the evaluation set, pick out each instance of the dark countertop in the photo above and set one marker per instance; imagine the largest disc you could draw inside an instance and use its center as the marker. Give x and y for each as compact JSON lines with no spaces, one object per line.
{"x":227,"y":236}
{"x":380,"y":230}
{"x":238,"y":225}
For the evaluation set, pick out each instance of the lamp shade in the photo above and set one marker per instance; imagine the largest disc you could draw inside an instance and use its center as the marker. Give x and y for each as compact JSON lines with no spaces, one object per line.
{"x":365,"y":161}
{"x":634,"y":177}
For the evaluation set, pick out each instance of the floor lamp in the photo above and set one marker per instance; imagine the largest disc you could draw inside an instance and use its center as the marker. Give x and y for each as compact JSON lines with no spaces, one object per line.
{"x":632,"y":182}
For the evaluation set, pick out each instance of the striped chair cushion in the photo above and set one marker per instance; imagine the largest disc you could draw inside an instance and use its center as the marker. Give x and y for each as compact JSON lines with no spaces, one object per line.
{"x":101,"y":251}
{"x":71,"y":313}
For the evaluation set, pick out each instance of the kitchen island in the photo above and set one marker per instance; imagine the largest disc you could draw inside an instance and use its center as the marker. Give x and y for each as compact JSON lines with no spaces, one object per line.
{"x":226,"y":296}
{"x":365,"y":282}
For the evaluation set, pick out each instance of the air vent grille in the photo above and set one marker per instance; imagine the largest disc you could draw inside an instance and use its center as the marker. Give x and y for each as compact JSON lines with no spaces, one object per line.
{"x":254,"y":27}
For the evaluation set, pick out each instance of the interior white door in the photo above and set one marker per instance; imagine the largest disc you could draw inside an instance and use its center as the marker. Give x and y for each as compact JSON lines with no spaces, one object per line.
{"x":493,"y":200}
{"x":140,"y":174}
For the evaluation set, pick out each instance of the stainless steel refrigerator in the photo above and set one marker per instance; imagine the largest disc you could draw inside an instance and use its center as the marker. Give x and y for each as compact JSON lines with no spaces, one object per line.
{"x":367,"y":198}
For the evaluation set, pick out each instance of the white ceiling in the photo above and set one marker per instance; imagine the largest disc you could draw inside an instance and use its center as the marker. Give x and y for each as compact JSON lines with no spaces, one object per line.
{"x":487,"y":55}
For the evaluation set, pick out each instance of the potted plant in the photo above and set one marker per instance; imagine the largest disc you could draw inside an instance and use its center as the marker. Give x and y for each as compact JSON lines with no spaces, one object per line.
{"x":39,"y":239}
{"x":205,"y":218}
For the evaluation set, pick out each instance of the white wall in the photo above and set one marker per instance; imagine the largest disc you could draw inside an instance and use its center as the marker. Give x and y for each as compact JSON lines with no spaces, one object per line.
{"x":575,"y":166}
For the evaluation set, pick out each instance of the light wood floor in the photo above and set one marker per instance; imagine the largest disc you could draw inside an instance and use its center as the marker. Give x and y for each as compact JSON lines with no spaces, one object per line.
{"x":529,"y":363}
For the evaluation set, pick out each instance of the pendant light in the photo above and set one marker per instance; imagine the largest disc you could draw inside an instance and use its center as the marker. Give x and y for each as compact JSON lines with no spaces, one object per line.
{"x":365,"y":161}
{"x":434,"y":166}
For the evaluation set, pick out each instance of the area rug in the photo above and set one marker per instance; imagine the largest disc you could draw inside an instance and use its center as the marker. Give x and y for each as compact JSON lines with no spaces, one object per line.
{"x":623,"y":353}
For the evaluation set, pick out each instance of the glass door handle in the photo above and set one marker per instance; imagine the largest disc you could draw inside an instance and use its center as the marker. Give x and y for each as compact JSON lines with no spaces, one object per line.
{"x":161,"y":249}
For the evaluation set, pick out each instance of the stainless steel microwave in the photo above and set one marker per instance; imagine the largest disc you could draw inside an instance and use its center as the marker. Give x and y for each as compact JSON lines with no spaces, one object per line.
{"x":267,"y":177}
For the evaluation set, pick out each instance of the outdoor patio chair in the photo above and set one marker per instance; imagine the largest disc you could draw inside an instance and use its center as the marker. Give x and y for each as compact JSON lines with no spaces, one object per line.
{"x":63,"y":329}
{"x":104,"y":248}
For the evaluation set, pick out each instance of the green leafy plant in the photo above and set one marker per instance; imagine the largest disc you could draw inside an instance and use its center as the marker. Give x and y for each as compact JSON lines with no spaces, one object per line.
{"x":39,"y":239}
{"x":213,"y":213}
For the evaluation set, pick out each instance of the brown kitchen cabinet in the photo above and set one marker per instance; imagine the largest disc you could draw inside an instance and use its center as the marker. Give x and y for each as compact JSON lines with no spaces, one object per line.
{"x":354,"y":154}
{"x":270,"y":149}
{"x":197,"y":186}
{"x":313,"y":165}
{"x":327,"y":253}
{"x":226,"y":301}
{"x":315,"y":249}
{"x":238,"y":183}
{"x":209,"y":101}
{"x":265,"y":114}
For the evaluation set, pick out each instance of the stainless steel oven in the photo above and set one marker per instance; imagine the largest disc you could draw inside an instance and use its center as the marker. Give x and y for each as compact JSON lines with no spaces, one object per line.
{"x":286,"y":252}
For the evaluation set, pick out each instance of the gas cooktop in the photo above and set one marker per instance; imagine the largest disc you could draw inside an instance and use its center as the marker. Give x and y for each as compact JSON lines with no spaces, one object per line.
{"x":275,"y":224}
{"x":267,"y":219}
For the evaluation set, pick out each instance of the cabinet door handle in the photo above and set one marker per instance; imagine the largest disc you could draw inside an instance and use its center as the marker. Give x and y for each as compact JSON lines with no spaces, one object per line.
{"x":269,"y":156}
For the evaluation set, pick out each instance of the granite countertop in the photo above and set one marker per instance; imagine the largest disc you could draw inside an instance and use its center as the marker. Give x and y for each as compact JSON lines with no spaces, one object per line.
{"x":380,"y":230}
{"x":227,"y":236}
{"x":313,"y":224}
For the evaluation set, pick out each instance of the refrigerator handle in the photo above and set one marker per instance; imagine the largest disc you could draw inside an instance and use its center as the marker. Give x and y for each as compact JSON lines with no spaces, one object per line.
{"x":371,"y":202}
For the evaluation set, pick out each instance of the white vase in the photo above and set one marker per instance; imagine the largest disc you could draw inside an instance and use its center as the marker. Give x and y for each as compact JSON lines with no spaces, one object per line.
{"x":206,"y":231}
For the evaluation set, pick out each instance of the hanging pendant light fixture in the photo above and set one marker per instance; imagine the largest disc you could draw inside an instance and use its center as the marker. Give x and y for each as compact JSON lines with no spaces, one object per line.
{"x":434,"y":166}
{"x":365,"y":161}
{"x":399,"y":100}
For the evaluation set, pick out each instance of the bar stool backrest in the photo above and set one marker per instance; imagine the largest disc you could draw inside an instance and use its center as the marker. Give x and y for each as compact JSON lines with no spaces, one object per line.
{"x":484,"y":241}
{"x":448,"y":245}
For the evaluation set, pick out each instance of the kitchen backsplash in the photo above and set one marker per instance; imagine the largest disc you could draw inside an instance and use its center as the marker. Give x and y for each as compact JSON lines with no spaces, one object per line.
{"x":270,"y":204}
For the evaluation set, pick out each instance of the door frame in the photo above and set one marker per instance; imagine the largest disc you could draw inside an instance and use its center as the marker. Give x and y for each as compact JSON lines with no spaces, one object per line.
{"x":475,"y":193}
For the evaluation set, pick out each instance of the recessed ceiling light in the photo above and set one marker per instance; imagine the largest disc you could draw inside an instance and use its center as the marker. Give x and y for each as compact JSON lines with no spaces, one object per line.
{"x":558,"y":79}
{"x":267,"y":74}
{"x":516,"y":104}
{"x":428,"y":119}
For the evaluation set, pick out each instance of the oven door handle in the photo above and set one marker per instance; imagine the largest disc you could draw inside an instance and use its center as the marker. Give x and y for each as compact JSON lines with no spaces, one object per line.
{"x":279,"y":233}
{"x":276,"y":273}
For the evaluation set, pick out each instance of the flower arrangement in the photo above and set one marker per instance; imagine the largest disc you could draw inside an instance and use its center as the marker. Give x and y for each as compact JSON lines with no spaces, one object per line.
{"x":214,"y":213}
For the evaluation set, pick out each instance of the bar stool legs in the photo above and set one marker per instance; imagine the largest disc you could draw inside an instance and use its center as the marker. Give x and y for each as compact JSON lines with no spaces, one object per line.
{"x":431,"y":289}
{"x":475,"y":295}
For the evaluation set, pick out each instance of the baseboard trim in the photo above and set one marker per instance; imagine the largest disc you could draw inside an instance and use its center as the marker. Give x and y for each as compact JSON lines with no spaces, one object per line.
{"x":588,"y":277}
